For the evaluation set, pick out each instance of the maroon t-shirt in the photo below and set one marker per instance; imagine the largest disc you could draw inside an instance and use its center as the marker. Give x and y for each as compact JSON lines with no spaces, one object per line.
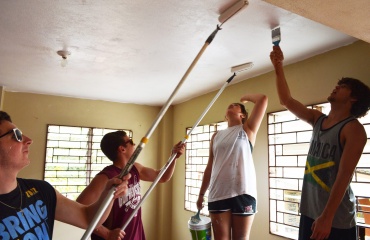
{"x":124,"y":206}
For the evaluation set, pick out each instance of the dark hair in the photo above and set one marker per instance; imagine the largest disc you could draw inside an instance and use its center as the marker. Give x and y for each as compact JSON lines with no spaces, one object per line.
{"x":110,"y":143}
{"x":361,"y":92}
{"x":244,"y":111}
{"x":4,"y":117}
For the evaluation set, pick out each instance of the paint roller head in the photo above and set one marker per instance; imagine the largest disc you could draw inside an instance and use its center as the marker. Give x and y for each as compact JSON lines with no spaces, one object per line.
{"x":231,"y":11}
{"x":241,"y":67}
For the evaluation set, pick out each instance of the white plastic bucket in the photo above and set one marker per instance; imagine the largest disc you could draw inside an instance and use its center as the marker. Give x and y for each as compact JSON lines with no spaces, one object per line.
{"x":201,"y":230}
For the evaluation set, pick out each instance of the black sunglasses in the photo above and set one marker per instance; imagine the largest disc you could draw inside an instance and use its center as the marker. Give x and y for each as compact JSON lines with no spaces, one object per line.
{"x":17,"y":134}
{"x":129,"y":141}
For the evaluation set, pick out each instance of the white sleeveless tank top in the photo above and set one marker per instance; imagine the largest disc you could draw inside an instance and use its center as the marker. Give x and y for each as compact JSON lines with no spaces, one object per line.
{"x":233,"y":171}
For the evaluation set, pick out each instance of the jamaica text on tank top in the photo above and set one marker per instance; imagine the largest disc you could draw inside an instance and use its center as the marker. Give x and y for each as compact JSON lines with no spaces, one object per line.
{"x":321,"y":170}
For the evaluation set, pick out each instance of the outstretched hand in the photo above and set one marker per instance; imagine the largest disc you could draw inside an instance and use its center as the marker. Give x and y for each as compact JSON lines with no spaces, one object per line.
{"x":276,"y":56}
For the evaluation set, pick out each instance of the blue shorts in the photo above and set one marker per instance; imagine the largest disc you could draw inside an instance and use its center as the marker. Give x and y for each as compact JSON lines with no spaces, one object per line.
{"x":240,"y":205}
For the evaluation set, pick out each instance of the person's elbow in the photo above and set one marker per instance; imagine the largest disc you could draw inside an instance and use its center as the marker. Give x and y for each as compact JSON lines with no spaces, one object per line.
{"x":285,"y":101}
{"x":264,"y":98}
{"x":164,"y":179}
{"x":82,"y":199}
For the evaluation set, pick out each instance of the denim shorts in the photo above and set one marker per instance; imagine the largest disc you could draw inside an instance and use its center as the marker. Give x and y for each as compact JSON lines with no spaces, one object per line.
{"x":240,"y":205}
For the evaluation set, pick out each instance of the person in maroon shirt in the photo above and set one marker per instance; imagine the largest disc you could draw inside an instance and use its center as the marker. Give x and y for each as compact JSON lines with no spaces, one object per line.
{"x":118,"y":147}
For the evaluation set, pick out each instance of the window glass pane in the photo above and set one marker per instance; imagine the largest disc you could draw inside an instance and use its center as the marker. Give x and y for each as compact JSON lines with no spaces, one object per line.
{"x":276,"y":172}
{"x":286,"y":161}
{"x":292,"y":196}
{"x":295,"y":149}
{"x":287,"y":207}
{"x":283,"y":138}
{"x":304,"y":136}
{"x":295,"y":126}
{"x":362,"y":175}
{"x":292,"y":172}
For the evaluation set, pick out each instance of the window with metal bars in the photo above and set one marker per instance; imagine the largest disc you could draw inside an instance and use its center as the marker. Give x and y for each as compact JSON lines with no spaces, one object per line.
{"x":196,"y":159}
{"x":73,"y":157}
{"x":288,"y":143}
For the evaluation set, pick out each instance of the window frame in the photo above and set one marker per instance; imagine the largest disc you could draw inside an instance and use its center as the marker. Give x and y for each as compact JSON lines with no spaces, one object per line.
{"x":195,"y":139}
{"x":59,"y":141}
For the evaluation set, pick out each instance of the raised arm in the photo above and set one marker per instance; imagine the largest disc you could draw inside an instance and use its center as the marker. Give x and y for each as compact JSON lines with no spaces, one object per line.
{"x":286,"y":99}
{"x":253,"y":122}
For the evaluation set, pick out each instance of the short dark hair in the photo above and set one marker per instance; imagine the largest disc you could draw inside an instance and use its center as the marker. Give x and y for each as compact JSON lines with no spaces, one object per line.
{"x":4,"y":117}
{"x":110,"y":143}
{"x":361,"y":92}
{"x":244,"y":111}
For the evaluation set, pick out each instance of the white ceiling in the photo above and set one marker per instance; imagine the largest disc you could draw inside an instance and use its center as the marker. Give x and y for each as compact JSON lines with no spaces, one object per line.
{"x":138,"y":51}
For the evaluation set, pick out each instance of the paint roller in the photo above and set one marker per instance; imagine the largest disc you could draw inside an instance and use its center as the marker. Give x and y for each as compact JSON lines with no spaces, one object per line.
{"x":232,"y":11}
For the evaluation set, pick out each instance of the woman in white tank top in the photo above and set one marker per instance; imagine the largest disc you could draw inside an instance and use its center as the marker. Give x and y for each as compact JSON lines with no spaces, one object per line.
{"x":230,"y":174}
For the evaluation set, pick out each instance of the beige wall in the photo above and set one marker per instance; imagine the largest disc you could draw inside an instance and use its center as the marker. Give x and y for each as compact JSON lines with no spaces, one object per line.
{"x":32,"y":112}
{"x":163,"y":212}
{"x":310,"y":81}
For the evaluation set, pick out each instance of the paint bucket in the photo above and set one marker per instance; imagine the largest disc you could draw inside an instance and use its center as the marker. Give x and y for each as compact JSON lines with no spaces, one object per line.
{"x":201,"y":230}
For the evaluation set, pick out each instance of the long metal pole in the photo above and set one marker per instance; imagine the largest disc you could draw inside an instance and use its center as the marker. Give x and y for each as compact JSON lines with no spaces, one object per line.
{"x":145,"y":139}
{"x":163,"y":170}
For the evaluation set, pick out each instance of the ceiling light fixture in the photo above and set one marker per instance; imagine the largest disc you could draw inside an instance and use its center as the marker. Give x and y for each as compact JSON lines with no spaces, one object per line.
{"x":63,"y":54}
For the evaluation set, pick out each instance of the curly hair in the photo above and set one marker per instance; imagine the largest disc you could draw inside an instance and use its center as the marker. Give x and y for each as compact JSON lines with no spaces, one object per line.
{"x":359,"y":91}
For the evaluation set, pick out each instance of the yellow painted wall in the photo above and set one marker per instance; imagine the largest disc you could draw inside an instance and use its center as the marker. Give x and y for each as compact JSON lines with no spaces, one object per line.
{"x":310,"y":81}
{"x":32,"y":112}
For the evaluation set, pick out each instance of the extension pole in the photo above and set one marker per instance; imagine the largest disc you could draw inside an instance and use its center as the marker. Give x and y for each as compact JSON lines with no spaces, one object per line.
{"x":222,"y":19}
{"x":163,"y":170}
{"x":144,"y":140}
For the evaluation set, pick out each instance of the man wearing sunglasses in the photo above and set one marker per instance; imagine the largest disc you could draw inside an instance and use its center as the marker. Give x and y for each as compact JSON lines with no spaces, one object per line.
{"x":118,"y":147}
{"x":28,"y":207}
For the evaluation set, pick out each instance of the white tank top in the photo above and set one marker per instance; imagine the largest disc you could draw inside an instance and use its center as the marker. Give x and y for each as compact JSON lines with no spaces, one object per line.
{"x":233,"y":171}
